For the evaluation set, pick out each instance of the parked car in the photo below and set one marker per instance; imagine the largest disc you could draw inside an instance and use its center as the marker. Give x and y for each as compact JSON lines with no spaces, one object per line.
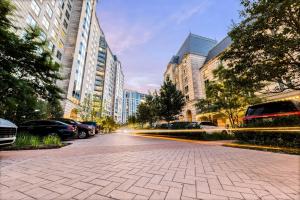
{"x":210,"y":127}
{"x":8,"y":132}
{"x":281,"y":112}
{"x":84,"y":130}
{"x":97,"y":127}
{"x":162,"y":126}
{"x":184,"y":125}
{"x":48,"y":127}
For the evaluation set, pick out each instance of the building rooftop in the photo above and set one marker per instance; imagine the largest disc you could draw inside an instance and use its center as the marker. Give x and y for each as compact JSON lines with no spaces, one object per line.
{"x":194,"y":44}
{"x":219,"y":48}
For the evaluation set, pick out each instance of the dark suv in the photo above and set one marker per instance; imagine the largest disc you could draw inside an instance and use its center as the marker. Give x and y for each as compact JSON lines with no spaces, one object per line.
{"x":277,"y":113}
{"x":48,"y":127}
{"x":84,"y":130}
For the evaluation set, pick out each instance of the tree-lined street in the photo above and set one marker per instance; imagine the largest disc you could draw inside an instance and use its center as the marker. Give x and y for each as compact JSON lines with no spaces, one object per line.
{"x":122,"y":166}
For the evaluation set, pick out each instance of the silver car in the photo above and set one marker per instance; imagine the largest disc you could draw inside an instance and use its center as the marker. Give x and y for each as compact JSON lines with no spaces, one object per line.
{"x":210,"y":128}
{"x":8,"y":132}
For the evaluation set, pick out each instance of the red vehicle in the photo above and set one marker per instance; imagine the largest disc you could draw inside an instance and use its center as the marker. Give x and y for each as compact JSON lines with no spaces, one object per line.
{"x":268,"y":112}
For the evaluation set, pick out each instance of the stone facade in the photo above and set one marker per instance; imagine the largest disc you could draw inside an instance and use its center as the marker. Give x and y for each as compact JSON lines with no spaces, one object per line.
{"x":183,"y":70}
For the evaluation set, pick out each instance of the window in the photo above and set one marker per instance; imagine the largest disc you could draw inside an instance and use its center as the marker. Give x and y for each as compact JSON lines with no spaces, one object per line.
{"x":30,"y":21}
{"x":56,"y":23}
{"x":51,"y":46}
{"x":53,"y":34}
{"x":49,"y":10}
{"x":58,"y":55}
{"x":69,"y":6}
{"x":45,"y":23}
{"x":58,"y":12}
{"x":43,"y":36}
{"x":67,"y":15}
{"x":186,"y":89}
{"x":65,"y":24}
{"x":60,"y":44}
{"x":80,"y":48}
{"x":63,"y":34}
{"x":35,"y":7}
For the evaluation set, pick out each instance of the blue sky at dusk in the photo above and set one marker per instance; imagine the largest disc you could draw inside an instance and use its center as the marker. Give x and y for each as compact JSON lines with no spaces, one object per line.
{"x":144,"y":34}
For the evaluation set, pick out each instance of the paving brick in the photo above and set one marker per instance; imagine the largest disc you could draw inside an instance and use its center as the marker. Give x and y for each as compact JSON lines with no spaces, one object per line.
{"x":238,"y":189}
{"x":126,"y":185}
{"x":173,"y":194}
{"x":202,"y":186}
{"x":70,"y":194}
{"x":100,"y":182}
{"x":206,"y":196}
{"x":98,"y":197}
{"x":189,"y":191}
{"x":82,"y":185}
{"x":172,"y":184}
{"x":140,"y":191}
{"x":87,"y":193}
{"x":107,"y":189}
{"x":161,"y":188}
{"x":158,"y":195}
{"x":140,"y":197}
{"x":117,"y":194}
{"x":142,"y":182}
{"x":227,"y":193}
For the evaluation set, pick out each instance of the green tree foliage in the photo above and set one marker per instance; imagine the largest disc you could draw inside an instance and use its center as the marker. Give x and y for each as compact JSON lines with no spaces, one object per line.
{"x":171,"y":101}
{"x":132,"y":119}
{"x":91,"y":108}
{"x":148,"y":110}
{"x":222,"y":96}
{"x":107,"y":124}
{"x":28,"y":73}
{"x":266,"y":45}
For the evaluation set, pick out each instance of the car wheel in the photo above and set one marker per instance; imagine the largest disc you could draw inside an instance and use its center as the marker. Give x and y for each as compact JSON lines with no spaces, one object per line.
{"x":82,"y":134}
{"x":224,"y":132}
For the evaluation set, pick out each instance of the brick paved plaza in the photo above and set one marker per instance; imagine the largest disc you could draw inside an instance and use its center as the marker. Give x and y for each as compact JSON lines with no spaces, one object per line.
{"x":119,"y":166}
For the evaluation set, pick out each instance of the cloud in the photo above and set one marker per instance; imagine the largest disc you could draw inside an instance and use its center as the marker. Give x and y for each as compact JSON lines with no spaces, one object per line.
{"x":190,"y":11}
{"x":143,"y":83}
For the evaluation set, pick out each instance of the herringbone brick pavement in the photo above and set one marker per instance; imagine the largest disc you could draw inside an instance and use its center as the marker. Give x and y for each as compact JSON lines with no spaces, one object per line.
{"x":119,"y":166}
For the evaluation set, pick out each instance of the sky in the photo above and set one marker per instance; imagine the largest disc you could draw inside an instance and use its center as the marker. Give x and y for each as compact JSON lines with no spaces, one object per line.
{"x":145,"y":34}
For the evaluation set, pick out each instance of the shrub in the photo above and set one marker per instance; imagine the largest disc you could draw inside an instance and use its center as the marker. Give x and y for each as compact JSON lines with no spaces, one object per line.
{"x":276,"y":138}
{"x":52,"y":140}
{"x":284,"y":138}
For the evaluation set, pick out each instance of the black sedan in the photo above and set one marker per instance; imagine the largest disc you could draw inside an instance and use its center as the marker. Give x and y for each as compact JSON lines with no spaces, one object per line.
{"x":48,"y":127}
{"x":84,"y":130}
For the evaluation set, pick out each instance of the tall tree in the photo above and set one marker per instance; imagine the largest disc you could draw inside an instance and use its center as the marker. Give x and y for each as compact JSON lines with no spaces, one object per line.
{"x":28,"y":73}
{"x":171,"y":101}
{"x":143,"y":113}
{"x":223,"y":97}
{"x":266,"y":45}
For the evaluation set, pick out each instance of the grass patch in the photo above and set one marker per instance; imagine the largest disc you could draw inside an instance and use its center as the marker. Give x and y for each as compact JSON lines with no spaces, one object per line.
{"x":276,"y":149}
{"x":29,"y":141}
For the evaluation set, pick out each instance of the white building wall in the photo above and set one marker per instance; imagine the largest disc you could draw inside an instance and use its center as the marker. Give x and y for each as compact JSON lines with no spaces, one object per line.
{"x":109,"y":85}
{"x":118,"y":96}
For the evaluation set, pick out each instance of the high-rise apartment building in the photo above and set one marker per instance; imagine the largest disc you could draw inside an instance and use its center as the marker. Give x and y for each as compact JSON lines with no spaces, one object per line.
{"x":131,"y":101}
{"x":118,"y":92}
{"x":78,"y":44}
{"x":183,"y":70}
